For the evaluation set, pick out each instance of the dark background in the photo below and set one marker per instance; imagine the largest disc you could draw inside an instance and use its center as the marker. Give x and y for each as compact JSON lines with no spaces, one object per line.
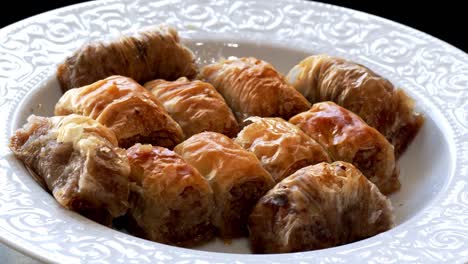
{"x":446,"y":20}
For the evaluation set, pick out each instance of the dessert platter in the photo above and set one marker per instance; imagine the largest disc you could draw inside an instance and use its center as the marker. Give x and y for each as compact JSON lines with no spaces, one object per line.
{"x":236,"y":131}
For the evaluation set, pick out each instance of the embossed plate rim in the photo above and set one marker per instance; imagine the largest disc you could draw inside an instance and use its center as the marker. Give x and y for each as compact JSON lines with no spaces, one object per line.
{"x":134,"y":249}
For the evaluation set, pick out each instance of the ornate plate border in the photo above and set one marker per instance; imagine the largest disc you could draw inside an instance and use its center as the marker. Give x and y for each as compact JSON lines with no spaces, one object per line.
{"x":435,"y":72}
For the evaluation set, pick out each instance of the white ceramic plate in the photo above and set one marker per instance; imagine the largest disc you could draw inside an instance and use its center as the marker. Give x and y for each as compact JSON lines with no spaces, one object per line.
{"x":431,"y":208}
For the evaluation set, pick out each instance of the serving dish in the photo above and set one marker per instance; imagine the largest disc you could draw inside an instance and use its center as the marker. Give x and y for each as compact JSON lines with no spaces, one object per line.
{"x":431,"y":208}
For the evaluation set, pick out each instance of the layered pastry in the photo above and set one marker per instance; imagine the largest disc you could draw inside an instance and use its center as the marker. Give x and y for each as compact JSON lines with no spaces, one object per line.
{"x":152,"y":53}
{"x":253,"y":87}
{"x":195,"y":105}
{"x":170,"y":202}
{"x":236,"y":176}
{"x":362,"y":91}
{"x":319,"y":206}
{"x":281,"y":147}
{"x":127,"y":108}
{"x":79,"y":161}
{"x":348,"y":138}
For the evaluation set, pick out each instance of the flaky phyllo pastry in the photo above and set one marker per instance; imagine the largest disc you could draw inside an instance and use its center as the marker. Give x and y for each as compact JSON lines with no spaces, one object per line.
{"x":253,"y":87}
{"x":348,"y":138}
{"x":79,"y":161}
{"x":281,"y":147}
{"x":170,"y":202}
{"x":151,"y":53}
{"x":360,"y":90}
{"x":319,"y":206}
{"x":246,"y":128}
{"x":195,"y":105}
{"x":236,"y":176}
{"x":127,"y":108}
